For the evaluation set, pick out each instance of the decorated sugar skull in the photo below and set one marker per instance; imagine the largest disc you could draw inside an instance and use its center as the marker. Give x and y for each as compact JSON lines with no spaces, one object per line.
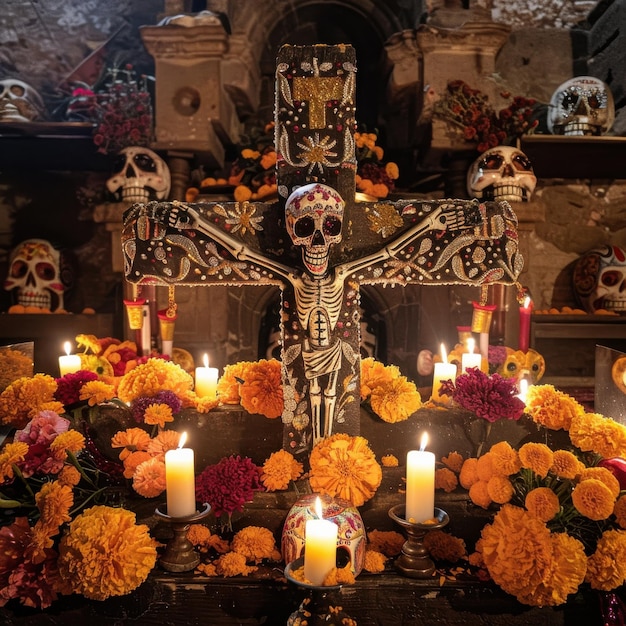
{"x":502,"y":173}
{"x":140,"y":175}
{"x":519,"y":364}
{"x":351,"y":536}
{"x":314,"y":217}
{"x":19,"y":102}
{"x":600,"y":279}
{"x":581,"y":106}
{"x":39,"y":274}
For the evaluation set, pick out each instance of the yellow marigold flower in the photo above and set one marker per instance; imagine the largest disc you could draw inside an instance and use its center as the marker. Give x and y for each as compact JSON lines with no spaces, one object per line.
{"x":392,"y":170}
{"x":149,"y":478}
{"x":279,"y":469}
{"x":551,"y":408}
{"x":389,"y":542}
{"x":505,"y":459}
{"x":262,"y":389}
{"x":69,"y":475}
{"x":96,"y":391}
{"x":343,"y":466}
{"x":374,"y":561}
{"x":71,"y":440}
{"x":230,"y":381}
{"x":537,"y":457}
{"x":469,"y":474}
{"x":151,"y":377}
{"x":205,"y":404}
{"x":543,"y":503}
{"x":593,"y":499}
{"x":443,"y":546}
{"x":158,"y":414}
{"x":340,"y":576}
{"x":602,"y":435}
{"x":565,"y":464}
{"x":164,"y":441}
{"x":479,"y":494}
{"x":25,"y":397}
{"x":603,"y":475}
{"x":131,"y":439}
{"x":395,"y":400}
{"x":256,"y":544}
{"x":454,"y":461}
{"x":133,"y":461}
{"x":14,"y":364}
{"x":500,"y":489}
{"x":389,"y":460}
{"x":199,"y":535}
{"x":11,"y":454}
{"x":446,"y":479}
{"x":40,"y":542}
{"x":105,"y":553}
{"x":619,"y":510}
{"x":606,"y":567}
{"x":375,"y":374}
{"x":54,"y":502}
{"x":233,"y":564}
{"x":485,"y":467}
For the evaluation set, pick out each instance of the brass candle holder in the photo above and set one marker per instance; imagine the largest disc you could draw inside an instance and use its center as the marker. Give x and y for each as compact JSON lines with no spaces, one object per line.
{"x":179,"y":554}
{"x":414,"y":560}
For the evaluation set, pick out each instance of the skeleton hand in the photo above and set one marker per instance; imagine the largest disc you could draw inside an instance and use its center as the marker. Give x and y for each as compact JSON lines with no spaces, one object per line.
{"x":453,"y":218}
{"x":182,"y":217}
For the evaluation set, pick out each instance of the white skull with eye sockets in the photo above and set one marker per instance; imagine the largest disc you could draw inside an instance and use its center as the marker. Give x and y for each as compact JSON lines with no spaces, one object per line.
{"x":314,"y":217}
{"x":35,"y":272}
{"x":581,"y":106}
{"x":19,"y":102}
{"x":140,"y":175}
{"x":502,"y":173}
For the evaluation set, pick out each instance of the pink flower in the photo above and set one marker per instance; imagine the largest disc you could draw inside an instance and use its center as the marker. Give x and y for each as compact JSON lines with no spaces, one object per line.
{"x":43,"y":429}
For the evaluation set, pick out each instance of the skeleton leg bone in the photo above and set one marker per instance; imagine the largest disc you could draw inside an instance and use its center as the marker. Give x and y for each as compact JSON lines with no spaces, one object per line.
{"x":330,"y":401}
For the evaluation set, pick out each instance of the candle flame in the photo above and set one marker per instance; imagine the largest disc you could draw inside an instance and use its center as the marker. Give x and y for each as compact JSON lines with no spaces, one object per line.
{"x":523,"y":389}
{"x":205,"y":360}
{"x":318,"y":508}
{"x":182,"y":440}
{"x":527,"y":302}
{"x":444,"y":354}
{"x":67,"y":346}
{"x":423,"y":442}
{"x":471,"y":345}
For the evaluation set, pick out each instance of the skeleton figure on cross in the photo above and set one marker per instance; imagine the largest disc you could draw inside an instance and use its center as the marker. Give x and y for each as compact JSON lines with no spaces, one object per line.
{"x":323,"y":246}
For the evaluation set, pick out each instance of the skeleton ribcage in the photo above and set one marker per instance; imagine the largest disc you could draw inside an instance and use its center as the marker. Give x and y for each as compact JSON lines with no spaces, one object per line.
{"x":319,"y":306}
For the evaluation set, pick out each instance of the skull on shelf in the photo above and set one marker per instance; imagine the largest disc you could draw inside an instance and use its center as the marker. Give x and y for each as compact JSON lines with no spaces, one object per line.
{"x":314,"y":217}
{"x":140,"y":175}
{"x":600,"y":279}
{"x":581,"y":106}
{"x":502,"y":173}
{"x":39,"y":274}
{"x":19,"y":102}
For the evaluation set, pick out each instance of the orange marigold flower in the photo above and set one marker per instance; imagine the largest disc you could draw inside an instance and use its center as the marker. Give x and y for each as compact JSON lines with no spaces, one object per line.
{"x":468,"y":475}
{"x":454,"y":461}
{"x":543,"y":503}
{"x":485,"y":467}
{"x":551,"y":408}
{"x":199,"y":535}
{"x":71,"y":440}
{"x":602,"y":435}
{"x":25,"y":397}
{"x":164,"y":441}
{"x":54,"y":502}
{"x":96,"y":391}
{"x":619,"y":510}
{"x":443,"y":546}
{"x":262,"y":389}
{"x":256,"y":544}
{"x":40,"y":543}
{"x":133,"y":460}
{"x":374,"y":374}
{"x":149,"y":478}
{"x":606,"y":567}
{"x":345,"y":467}
{"x":479,"y":494}
{"x":395,"y":400}
{"x":158,"y":415}
{"x":105,"y":553}
{"x":389,"y":460}
{"x":11,"y":454}
{"x":151,"y":377}
{"x":230,"y":381}
{"x":374,"y":561}
{"x":279,"y":469}
{"x":389,"y":542}
{"x":392,"y":170}
{"x":505,"y":459}
{"x":537,"y":457}
{"x":131,"y":439}
{"x":565,"y":464}
{"x":593,"y":499}
{"x":603,"y":475}
{"x":233,"y":564}
{"x":446,"y":479}
{"x":205,"y":404}
{"x":69,"y":475}
{"x":500,"y":489}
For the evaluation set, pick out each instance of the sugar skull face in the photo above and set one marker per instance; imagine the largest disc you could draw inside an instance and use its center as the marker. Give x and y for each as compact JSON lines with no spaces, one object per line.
{"x":502,"y":173}
{"x":314,"y":218}
{"x":36,"y":275}
{"x":529,"y":365}
{"x":581,"y":106}
{"x":600,"y":279}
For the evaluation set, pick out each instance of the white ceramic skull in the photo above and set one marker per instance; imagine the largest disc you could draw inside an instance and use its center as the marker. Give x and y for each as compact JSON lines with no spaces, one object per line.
{"x":140,"y":175}
{"x":581,"y":106}
{"x":314,"y":217}
{"x":19,"y":102}
{"x":502,"y":173}
{"x":35,"y":272}
{"x":600,"y":279}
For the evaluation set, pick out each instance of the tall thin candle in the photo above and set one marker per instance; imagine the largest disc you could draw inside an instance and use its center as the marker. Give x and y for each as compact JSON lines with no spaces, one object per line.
{"x":524,"y":324}
{"x":420,"y":483}
{"x":180,"y":481}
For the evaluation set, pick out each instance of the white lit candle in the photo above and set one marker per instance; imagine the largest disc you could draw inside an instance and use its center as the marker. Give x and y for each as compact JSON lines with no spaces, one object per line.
{"x":206,"y":379}
{"x":320,"y":547}
{"x":420,"y":484}
{"x":443,"y":371}
{"x":69,"y":363}
{"x":180,"y":481}
{"x":470,"y":358}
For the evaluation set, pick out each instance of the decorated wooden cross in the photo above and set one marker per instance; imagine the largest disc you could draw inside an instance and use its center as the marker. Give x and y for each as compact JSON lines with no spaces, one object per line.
{"x":319,"y":245}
